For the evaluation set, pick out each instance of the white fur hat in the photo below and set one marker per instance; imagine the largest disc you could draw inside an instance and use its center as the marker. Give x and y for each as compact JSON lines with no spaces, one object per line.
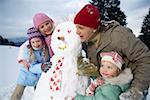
{"x":113,"y":57}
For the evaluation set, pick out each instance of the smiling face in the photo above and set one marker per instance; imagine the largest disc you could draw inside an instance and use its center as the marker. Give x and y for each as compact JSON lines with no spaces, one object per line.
{"x":46,"y":28}
{"x":36,"y":43}
{"x":108,"y":69}
{"x":65,"y":39}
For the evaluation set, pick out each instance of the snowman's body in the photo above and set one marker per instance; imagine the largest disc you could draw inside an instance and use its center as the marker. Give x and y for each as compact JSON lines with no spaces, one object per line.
{"x":61,"y":82}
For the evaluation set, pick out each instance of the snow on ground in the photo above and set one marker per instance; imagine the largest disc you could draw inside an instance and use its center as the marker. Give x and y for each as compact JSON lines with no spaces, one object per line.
{"x":9,"y":73}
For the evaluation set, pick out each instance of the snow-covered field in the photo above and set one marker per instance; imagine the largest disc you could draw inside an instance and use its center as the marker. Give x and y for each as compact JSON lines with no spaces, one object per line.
{"x":9,"y":71}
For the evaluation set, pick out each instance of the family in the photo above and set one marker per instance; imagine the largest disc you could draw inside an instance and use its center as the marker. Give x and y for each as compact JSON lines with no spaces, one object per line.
{"x":120,"y":61}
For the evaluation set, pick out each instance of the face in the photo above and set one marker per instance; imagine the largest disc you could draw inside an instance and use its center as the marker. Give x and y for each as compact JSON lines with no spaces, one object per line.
{"x":108,"y":69}
{"x":46,"y":28}
{"x":36,"y":43}
{"x":84,"y":32}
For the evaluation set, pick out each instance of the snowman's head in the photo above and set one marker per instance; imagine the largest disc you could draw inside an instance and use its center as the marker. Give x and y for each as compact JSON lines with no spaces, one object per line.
{"x":65,"y":40}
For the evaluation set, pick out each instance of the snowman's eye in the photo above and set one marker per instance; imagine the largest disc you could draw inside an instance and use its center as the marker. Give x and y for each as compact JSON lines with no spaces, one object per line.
{"x":69,"y":31}
{"x":58,"y":30}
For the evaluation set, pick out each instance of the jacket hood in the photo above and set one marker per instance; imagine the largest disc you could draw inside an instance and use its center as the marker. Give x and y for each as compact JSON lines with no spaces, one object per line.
{"x":106,"y":25}
{"x":123,"y":78}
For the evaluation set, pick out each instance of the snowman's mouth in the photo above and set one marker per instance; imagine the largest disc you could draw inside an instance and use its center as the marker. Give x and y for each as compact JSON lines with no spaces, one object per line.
{"x":62,"y":43}
{"x":62,"y":47}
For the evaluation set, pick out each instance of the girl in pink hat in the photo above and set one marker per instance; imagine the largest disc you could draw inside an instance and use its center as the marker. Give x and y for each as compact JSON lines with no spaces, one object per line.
{"x":45,"y":26}
{"x":112,"y":82}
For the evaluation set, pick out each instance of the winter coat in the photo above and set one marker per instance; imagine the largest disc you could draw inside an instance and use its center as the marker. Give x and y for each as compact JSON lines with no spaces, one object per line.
{"x":111,"y":89}
{"x":114,"y":37}
{"x":30,"y":77}
{"x":21,"y":50}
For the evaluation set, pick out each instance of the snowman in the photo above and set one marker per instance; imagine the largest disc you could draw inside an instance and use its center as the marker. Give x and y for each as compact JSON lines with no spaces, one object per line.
{"x":61,"y":82}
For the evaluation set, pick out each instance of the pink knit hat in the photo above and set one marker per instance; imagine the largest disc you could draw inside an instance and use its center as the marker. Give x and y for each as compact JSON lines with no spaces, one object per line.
{"x":113,"y":57}
{"x":88,"y":16}
{"x":40,"y":18}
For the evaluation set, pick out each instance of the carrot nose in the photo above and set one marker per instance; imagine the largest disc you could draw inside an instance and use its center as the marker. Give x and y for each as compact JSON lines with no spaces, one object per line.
{"x":61,"y":38}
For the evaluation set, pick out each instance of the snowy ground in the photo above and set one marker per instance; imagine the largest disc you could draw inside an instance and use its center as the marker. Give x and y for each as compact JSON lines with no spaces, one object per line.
{"x":9,"y":71}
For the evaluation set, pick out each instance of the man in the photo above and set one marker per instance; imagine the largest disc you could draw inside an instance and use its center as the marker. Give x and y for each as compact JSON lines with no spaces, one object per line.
{"x":111,"y":36}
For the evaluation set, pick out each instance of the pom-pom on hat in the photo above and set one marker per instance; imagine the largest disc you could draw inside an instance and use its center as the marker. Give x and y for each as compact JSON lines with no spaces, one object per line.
{"x":113,"y":57}
{"x":33,"y":32}
{"x":88,"y":16}
{"x":40,"y":18}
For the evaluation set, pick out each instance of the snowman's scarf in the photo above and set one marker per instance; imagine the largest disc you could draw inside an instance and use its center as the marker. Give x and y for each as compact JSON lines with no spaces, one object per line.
{"x":56,"y":75}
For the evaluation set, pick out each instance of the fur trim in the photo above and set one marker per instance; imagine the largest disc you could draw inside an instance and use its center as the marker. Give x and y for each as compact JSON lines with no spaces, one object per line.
{"x":123,"y":78}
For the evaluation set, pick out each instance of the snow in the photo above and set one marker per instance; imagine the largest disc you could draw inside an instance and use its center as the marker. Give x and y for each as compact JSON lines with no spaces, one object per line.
{"x":9,"y":71}
{"x":58,"y":81}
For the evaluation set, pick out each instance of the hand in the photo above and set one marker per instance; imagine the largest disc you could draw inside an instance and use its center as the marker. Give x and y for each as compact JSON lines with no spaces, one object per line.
{"x":86,"y":68}
{"x":45,"y":66}
{"x":25,"y":63}
{"x":99,"y":81}
{"x":132,"y":94}
{"x":89,"y":92}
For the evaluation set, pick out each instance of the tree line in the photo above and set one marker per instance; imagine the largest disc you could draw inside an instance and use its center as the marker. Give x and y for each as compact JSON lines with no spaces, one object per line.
{"x":145,"y":30}
{"x":4,"y":41}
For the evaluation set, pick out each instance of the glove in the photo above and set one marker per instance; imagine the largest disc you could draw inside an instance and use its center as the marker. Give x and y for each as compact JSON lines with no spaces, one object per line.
{"x":45,"y":66}
{"x":86,"y":68}
{"x":94,"y":84}
{"x":132,"y":94}
{"x":89,"y":92}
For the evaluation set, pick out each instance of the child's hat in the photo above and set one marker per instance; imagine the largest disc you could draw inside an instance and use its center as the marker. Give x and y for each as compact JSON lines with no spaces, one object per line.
{"x":40,"y":18}
{"x":113,"y":57}
{"x":33,"y":32}
{"x":88,"y":16}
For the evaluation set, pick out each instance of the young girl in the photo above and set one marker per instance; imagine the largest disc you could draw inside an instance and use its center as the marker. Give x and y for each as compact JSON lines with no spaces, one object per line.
{"x":46,"y":26}
{"x":112,"y":81}
{"x":36,"y":53}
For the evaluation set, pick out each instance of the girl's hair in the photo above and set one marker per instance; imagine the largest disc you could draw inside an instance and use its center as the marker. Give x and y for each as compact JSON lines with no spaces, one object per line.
{"x":31,"y":50}
{"x":34,"y":33}
{"x":45,"y":54}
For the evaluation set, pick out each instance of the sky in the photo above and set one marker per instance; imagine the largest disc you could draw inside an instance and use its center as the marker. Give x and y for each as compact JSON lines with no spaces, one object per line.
{"x":16,"y":15}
